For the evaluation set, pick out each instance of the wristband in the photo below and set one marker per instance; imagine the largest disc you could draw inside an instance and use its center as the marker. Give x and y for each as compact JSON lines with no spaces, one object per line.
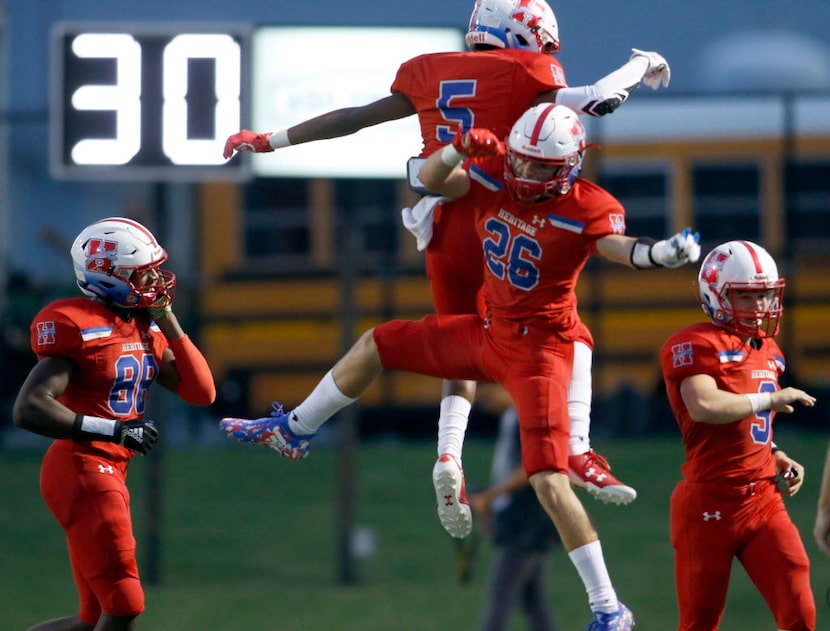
{"x":759,"y":401}
{"x":279,"y":139}
{"x":775,"y":448}
{"x":451,"y":156}
{"x":94,"y":428}
{"x":641,"y":253}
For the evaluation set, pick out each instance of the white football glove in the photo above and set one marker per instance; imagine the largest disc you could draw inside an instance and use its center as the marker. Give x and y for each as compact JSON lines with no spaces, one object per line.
{"x":682,"y":248}
{"x":658,"y":72}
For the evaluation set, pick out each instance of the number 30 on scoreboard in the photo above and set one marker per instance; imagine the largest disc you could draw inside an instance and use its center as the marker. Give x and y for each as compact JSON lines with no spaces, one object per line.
{"x":138,"y":102}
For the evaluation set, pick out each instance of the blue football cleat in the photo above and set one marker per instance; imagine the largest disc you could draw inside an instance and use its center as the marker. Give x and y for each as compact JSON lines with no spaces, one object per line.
{"x":271,"y":431}
{"x":620,"y":620}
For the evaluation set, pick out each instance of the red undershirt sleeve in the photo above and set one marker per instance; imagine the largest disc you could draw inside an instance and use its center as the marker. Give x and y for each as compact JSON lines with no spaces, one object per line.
{"x":196,"y":384}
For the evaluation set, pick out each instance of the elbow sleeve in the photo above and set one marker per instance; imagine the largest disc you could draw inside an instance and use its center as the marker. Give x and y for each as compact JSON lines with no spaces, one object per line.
{"x":607,"y":94}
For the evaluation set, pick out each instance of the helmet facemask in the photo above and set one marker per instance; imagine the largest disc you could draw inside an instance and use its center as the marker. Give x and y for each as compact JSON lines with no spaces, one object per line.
{"x":533,"y":180}
{"x":151,"y":286}
{"x":757,"y":322}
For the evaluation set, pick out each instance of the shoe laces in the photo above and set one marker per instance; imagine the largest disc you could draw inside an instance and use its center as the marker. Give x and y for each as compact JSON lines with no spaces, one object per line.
{"x":595,"y":457}
{"x":276,"y":409}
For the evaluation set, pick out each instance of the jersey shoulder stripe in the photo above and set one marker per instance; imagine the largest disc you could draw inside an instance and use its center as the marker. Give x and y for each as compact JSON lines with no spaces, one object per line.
{"x":571,"y":225}
{"x":96,"y":333}
{"x":485,"y":179}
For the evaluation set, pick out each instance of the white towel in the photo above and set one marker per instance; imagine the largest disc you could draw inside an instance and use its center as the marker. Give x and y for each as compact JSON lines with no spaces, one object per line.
{"x":418,"y":219}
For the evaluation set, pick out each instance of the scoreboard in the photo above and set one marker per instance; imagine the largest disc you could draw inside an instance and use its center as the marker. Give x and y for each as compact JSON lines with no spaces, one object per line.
{"x":156,"y":102}
{"x":146,"y":102}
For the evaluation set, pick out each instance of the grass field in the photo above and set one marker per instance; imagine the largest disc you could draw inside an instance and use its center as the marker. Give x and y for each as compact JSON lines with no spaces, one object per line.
{"x":250,"y":543}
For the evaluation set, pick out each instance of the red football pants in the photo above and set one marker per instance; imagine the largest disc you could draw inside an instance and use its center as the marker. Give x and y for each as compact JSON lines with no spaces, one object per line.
{"x":454,"y":261}
{"x":711,"y":524}
{"x":533,"y":364}
{"x":88,"y":496}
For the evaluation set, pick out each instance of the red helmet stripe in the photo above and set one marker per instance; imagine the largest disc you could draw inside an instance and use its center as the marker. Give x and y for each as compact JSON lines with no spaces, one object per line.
{"x":754,"y":255}
{"x":135,"y":225}
{"x":540,"y":121}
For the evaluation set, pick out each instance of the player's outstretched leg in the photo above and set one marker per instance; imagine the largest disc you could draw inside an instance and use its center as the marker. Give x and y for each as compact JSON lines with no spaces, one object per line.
{"x":451,"y":497}
{"x":620,"y":620}
{"x":591,"y":472}
{"x":271,"y":431}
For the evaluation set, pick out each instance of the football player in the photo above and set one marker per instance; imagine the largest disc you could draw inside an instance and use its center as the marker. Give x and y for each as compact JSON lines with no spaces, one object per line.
{"x":97,"y":356}
{"x":510,"y":68}
{"x":537,"y":223}
{"x":722,"y":382}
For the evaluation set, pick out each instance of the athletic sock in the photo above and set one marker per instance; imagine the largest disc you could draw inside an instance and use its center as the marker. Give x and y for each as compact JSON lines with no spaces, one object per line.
{"x":319,"y":406}
{"x":590,"y":564}
{"x":452,"y":425}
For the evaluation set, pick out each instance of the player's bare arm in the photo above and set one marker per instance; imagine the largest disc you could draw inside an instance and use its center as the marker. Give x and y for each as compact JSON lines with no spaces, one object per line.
{"x":709,"y":404}
{"x":37,"y":408}
{"x":334,"y":124}
{"x":441,"y":173}
{"x":350,"y":120}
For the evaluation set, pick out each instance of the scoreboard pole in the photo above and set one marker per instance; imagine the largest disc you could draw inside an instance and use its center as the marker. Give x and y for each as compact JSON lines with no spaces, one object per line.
{"x":349,"y":251}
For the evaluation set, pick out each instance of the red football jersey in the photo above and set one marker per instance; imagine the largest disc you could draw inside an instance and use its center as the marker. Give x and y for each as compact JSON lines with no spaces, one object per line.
{"x":735,"y":453}
{"x":116,"y":361}
{"x":490,"y":89}
{"x":533,"y":253}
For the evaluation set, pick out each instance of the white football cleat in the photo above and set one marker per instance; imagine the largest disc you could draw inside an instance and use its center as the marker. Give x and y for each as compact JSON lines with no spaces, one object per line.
{"x":451,"y":496}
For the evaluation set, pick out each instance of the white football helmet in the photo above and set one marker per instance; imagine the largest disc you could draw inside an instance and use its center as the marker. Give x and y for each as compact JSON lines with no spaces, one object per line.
{"x":545,"y":149}
{"x":741,"y":265}
{"x":523,"y":24}
{"x":109,"y":257}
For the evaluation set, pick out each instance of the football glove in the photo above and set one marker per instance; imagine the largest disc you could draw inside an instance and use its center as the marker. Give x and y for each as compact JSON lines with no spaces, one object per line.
{"x":478,"y":143}
{"x":248,"y":141}
{"x":140,"y":436}
{"x":658,"y":72}
{"x":682,"y":248}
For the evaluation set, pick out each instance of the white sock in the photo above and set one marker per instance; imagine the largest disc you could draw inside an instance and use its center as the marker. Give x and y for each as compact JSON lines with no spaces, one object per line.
{"x":579,"y":442}
{"x":319,"y":406}
{"x":579,"y":400}
{"x":452,"y":424}
{"x":590,"y":564}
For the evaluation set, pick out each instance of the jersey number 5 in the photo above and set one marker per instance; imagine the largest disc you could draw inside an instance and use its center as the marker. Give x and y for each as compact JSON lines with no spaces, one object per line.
{"x":463,"y":116}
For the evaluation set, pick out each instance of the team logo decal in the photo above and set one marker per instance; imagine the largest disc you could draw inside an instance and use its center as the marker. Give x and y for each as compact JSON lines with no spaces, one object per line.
{"x":617,"y":223}
{"x":100,"y":255}
{"x":46,"y":333}
{"x":682,"y":354}
{"x":558,"y":75}
{"x":712,"y":267}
